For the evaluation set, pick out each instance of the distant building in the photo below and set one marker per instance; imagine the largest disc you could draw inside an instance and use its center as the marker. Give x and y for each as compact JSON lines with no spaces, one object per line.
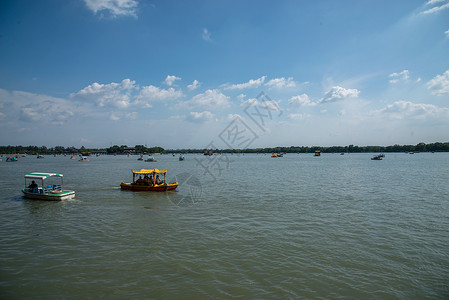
{"x":129,"y":150}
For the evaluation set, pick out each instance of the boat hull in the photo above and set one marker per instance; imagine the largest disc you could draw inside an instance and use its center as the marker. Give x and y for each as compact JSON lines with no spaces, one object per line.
{"x":64,"y":195}
{"x":156,"y":188}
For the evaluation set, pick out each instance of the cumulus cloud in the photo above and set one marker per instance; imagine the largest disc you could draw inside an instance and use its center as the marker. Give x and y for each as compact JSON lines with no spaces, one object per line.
{"x":31,"y":107}
{"x":113,"y":94}
{"x":401,"y":76}
{"x":339,"y":93}
{"x":206,"y":35}
{"x":113,"y":7}
{"x":195,"y":84}
{"x":151,"y":93}
{"x":171,"y":79}
{"x":200,"y":117}
{"x":281,"y":83}
{"x":447,"y":33}
{"x":298,"y":116}
{"x":408,"y":110}
{"x":439,"y":85}
{"x":210,"y":99}
{"x":253,"y":83}
{"x":301,"y":100}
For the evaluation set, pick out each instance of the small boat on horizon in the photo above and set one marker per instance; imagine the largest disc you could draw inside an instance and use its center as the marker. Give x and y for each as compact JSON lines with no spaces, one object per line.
{"x":151,"y":159}
{"x":377,"y":157}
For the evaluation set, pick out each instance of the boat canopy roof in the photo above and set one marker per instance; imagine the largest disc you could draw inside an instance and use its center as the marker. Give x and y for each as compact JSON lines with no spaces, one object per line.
{"x":41,"y":175}
{"x":149,"y":171}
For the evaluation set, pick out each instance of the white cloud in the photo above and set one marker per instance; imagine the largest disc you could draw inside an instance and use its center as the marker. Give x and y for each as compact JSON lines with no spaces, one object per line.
{"x":436,"y":8}
{"x":206,"y":35}
{"x":210,"y":99}
{"x":171,"y":79}
{"x":152,"y":93}
{"x":112,"y":94}
{"x":200,"y":116}
{"x":401,"y":76}
{"x":128,"y":116}
{"x":195,"y":84}
{"x":114,"y":117}
{"x":281,"y":83}
{"x":31,"y":107}
{"x":252,"y":101}
{"x":408,"y":110}
{"x":447,"y":33}
{"x":338,"y":93}
{"x":301,"y":100}
{"x":114,"y":7}
{"x":298,"y":116}
{"x":253,"y":83}
{"x":232,"y":117}
{"x":439,"y":85}
{"x":432,"y":2}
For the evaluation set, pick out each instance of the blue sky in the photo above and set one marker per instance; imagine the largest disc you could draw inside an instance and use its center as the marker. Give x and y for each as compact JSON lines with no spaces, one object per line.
{"x":188,"y":74}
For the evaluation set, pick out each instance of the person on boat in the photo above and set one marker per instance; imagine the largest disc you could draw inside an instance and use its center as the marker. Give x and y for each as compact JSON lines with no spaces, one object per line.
{"x":158,"y":181}
{"x":32,"y":186}
{"x":139,"y":181}
{"x":146,"y":179}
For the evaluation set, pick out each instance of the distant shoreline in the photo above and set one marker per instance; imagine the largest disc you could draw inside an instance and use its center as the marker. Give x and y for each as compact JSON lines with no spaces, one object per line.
{"x":140,"y":149}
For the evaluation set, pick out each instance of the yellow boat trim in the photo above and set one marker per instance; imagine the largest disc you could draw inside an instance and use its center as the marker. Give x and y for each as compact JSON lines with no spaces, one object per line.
{"x":148,"y":171}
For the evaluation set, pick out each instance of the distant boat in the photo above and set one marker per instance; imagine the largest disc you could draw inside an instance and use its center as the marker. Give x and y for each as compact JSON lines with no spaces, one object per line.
{"x":151,"y":159}
{"x":181,"y":158}
{"x":40,"y":156}
{"x":83,"y":158}
{"x":140,"y":158}
{"x":377,"y":157}
{"x":317,"y":153}
{"x":12,"y":159}
{"x":342,"y":153}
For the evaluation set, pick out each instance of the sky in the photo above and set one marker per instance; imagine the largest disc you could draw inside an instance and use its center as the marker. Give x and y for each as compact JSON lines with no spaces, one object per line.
{"x":223,"y":74}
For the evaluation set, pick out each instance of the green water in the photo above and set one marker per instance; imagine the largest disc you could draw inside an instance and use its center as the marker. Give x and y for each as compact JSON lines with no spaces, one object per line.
{"x":250,"y":227}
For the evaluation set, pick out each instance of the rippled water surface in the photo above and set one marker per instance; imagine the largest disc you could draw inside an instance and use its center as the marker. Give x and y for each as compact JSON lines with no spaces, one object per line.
{"x":249,"y":226}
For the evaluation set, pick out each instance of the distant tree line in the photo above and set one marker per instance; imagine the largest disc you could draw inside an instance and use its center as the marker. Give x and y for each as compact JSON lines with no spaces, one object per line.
{"x":421,"y":147}
{"x":124,"y":149}
{"x":141,"y":149}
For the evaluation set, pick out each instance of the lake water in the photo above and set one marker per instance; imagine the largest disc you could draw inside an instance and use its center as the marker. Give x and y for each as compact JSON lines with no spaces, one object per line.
{"x":239,"y":226}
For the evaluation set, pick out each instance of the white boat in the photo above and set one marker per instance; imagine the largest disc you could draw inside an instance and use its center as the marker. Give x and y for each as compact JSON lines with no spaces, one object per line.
{"x":151,"y":159}
{"x":45,"y":192}
{"x":83,"y":158}
{"x":181,"y":158}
